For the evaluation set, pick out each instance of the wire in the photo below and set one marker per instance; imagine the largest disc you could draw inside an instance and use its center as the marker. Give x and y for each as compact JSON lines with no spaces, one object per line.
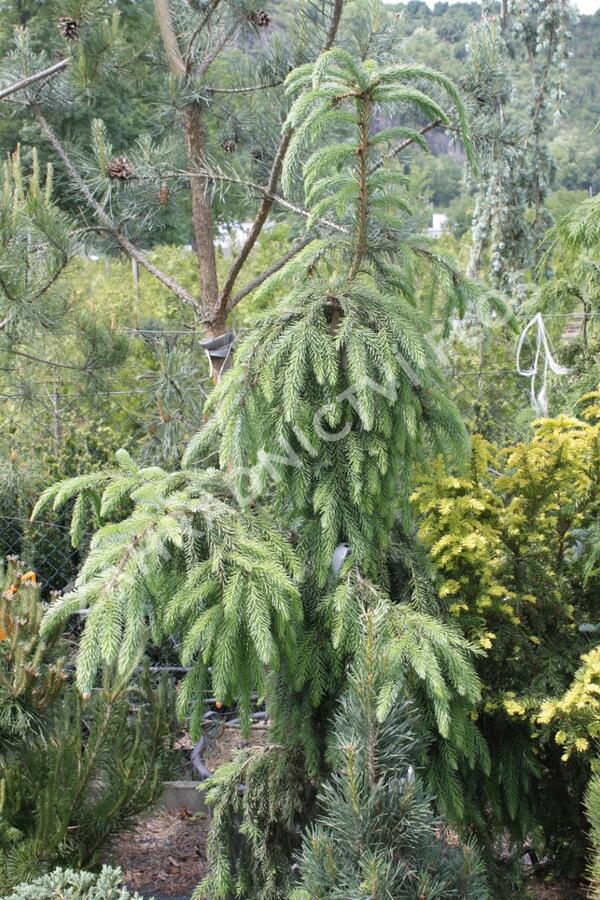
{"x":150,"y":333}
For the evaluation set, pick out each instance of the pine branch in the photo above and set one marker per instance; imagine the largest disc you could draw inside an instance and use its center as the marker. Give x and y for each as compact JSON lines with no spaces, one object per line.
{"x":401,"y":147}
{"x":169,"y":39}
{"x":108,"y":223}
{"x":202,"y":220}
{"x":197,"y":31}
{"x":274,"y":176}
{"x":251,"y":89}
{"x":334,"y":25}
{"x":266,"y":273}
{"x":32,"y":79}
{"x":46,"y":362}
{"x":225,"y":37}
{"x":257,"y":225}
{"x":260,"y":189}
{"x":202,"y":223}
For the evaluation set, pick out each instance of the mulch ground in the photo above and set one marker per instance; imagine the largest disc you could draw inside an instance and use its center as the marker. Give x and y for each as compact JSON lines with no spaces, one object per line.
{"x":537,"y":889}
{"x":164,"y":855}
{"x":223,"y":741}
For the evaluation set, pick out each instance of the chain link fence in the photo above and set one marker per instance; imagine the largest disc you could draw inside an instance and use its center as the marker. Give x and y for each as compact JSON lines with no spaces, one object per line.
{"x":44,"y":547}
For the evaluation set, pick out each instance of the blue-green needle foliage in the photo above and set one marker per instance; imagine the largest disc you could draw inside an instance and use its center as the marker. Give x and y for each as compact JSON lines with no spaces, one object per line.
{"x":376,"y":835}
{"x":75,"y":885}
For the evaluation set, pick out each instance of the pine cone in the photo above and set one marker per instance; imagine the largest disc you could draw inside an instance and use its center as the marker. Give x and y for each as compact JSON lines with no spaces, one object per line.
{"x":68,"y":27}
{"x":260,"y":18}
{"x":228,"y":145}
{"x":163,"y":195}
{"x":258,"y":153}
{"x":119,"y":167}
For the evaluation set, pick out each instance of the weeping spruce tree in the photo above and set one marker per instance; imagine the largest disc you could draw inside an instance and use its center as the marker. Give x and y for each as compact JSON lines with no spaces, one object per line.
{"x":265,"y":552}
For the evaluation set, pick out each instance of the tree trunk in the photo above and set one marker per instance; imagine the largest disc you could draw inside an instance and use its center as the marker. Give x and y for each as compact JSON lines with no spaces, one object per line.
{"x":202,"y":224}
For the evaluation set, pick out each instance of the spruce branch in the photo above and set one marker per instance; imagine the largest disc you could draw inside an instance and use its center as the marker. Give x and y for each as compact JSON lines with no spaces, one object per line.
{"x":363,"y":189}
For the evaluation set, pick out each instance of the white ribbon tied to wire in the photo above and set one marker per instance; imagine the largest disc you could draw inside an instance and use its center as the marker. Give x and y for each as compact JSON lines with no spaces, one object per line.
{"x":539,"y":400}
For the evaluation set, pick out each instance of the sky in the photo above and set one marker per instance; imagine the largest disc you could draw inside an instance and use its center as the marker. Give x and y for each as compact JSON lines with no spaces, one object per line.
{"x":584,"y":6}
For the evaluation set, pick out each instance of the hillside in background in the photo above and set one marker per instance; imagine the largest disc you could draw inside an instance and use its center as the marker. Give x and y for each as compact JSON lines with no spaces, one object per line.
{"x":438,"y":38}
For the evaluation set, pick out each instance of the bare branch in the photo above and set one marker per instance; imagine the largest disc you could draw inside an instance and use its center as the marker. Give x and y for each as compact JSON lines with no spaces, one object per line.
{"x":266,"y":273}
{"x":260,"y":189}
{"x":259,"y":220}
{"x":334,"y":25}
{"x":31,"y":79}
{"x":107,"y":222}
{"x":300,"y":211}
